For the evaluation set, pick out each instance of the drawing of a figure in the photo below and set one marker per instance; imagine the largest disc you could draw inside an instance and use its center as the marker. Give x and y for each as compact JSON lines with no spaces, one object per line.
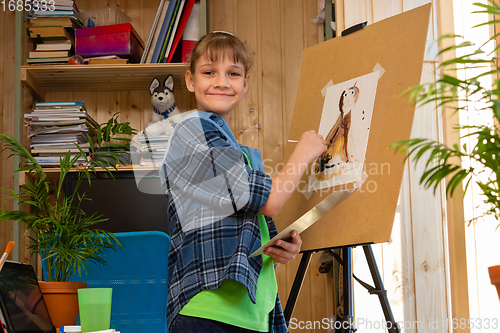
{"x":329,"y":164}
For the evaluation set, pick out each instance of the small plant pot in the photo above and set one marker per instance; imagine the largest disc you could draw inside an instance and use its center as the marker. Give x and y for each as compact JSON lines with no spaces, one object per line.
{"x":495,"y":277}
{"x":62,"y":301}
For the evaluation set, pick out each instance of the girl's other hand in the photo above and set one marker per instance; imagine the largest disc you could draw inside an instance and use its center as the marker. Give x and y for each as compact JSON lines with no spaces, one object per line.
{"x":284,"y":251}
{"x":310,"y":146}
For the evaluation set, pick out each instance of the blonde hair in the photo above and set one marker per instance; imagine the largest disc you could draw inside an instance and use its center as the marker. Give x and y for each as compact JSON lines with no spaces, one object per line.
{"x":216,"y":45}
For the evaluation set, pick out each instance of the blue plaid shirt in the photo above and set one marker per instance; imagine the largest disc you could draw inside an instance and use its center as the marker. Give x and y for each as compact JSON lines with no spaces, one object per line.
{"x":213,"y":201}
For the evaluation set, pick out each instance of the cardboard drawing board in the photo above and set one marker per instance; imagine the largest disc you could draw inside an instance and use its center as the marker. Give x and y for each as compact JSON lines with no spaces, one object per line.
{"x":395,"y":47}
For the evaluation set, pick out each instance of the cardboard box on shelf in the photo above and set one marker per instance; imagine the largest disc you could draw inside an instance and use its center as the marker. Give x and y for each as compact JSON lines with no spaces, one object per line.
{"x":117,"y":39}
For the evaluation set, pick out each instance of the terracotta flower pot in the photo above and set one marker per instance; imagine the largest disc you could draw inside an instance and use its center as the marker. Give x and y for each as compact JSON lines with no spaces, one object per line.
{"x":62,"y":301}
{"x":495,"y":277}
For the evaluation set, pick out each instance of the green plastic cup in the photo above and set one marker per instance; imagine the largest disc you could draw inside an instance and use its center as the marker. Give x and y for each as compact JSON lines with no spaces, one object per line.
{"x":95,"y":308}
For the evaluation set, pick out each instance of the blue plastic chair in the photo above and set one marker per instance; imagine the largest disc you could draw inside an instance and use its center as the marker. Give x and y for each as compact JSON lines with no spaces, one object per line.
{"x":138,"y":276}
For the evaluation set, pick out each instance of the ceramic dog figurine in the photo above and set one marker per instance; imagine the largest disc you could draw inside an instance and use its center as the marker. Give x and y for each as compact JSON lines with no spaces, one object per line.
{"x":162,"y":98}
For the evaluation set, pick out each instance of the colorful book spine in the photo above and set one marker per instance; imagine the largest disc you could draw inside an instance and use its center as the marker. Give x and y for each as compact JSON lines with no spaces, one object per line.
{"x":184,"y":19}
{"x":191,"y":33}
{"x":163,"y":32}
{"x":171,"y":33}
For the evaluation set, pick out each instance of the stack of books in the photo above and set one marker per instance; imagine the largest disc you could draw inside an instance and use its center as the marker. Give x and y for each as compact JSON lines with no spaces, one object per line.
{"x":54,"y":8}
{"x":52,"y":31}
{"x":152,"y":149}
{"x":55,"y":127}
{"x":168,"y":27}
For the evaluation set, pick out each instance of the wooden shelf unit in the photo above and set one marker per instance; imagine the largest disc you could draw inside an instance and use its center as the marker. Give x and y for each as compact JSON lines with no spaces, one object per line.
{"x":40,"y":79}
{"x":105,"y":89}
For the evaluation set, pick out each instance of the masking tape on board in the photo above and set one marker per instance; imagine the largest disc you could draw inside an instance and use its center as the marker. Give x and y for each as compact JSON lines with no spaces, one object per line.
{"x":329,"y":84}
{"x":380,"y":70}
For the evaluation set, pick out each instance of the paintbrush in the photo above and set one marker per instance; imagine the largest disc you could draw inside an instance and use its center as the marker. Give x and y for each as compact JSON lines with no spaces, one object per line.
{"x":9,"y":248}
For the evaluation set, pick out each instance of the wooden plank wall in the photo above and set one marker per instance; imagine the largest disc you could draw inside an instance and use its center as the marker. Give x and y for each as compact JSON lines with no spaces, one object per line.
{"x":7,"y":42}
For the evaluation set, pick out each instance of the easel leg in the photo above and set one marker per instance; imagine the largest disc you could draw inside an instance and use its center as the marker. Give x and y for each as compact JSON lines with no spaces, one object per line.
{"x":347,"y":325}
{"x":348,"y":291}
{"x":297,"y":284}
{"x":392,"y":327}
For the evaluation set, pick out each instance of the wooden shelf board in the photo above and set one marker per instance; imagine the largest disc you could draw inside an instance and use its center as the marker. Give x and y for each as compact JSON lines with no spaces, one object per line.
{"x":53,"y":173}
{"x":40,"y":79}
{"x":128,"y":167}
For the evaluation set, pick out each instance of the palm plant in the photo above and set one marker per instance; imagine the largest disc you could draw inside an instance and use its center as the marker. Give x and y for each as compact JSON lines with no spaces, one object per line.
{"x":61,"y":230}
{"x":481,"y":159}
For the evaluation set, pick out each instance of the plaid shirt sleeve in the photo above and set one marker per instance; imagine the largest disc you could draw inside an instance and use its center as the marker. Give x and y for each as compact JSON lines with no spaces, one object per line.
{"x":203,"y":166}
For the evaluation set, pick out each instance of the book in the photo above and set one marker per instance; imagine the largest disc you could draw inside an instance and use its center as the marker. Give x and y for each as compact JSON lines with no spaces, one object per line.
{"x":41,"y":115}
{"x":50,"y":32}
{"x":154,"y":41}
{"x":177,"y":10}
{"x":55,"y":157}
{"x":153,"y":138}
{"x":171,"y":33}
{"x":152,"y":33}
{"x":49,"y":54}
{"x":55,"y":123}
{"x":66,"y":117}
{"x":50,"y":119}
{"x":46,"y":61}
{"x":113,"y":56}
{"x":59,"y":108}
{"x":59,"y":138}
{"x":48,"y":13}
{"x":56,"y":150}
{"x":55,"y":110}
{"x":59,"y":145}
{"x":70,"y":21}
{"x":107,"y":61}
{"x":182,"y":24}
{"x":191,"y":33}
{"x":61,"y":103}
{"x":63,"y":7}
{"x":81,"y":128}
{"x":163,"y":31}
{"x":64,"y":2}
{"x":55,"y":113}
{"x":55,"y":162}
{"x":55,"y":46}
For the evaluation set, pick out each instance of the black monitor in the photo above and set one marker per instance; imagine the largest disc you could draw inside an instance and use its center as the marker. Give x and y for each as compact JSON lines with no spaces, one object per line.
{"x":22,"y":307}
{"x":120,"y":200}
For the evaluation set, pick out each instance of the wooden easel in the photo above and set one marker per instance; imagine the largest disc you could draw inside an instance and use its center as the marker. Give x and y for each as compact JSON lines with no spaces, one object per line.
{"x":365,"y":217}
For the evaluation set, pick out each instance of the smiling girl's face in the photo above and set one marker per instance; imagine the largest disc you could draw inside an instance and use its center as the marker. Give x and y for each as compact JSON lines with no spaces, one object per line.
{"x":219,"y":85}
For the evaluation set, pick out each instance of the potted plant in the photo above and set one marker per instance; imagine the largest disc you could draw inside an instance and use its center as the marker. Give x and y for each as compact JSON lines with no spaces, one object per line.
{"x":482,"y":158}
{"x":59,"y":230}
{"x":114,"y":136}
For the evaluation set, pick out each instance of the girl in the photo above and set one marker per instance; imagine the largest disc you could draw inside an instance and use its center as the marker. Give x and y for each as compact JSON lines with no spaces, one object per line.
{"x":221,"y":203}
